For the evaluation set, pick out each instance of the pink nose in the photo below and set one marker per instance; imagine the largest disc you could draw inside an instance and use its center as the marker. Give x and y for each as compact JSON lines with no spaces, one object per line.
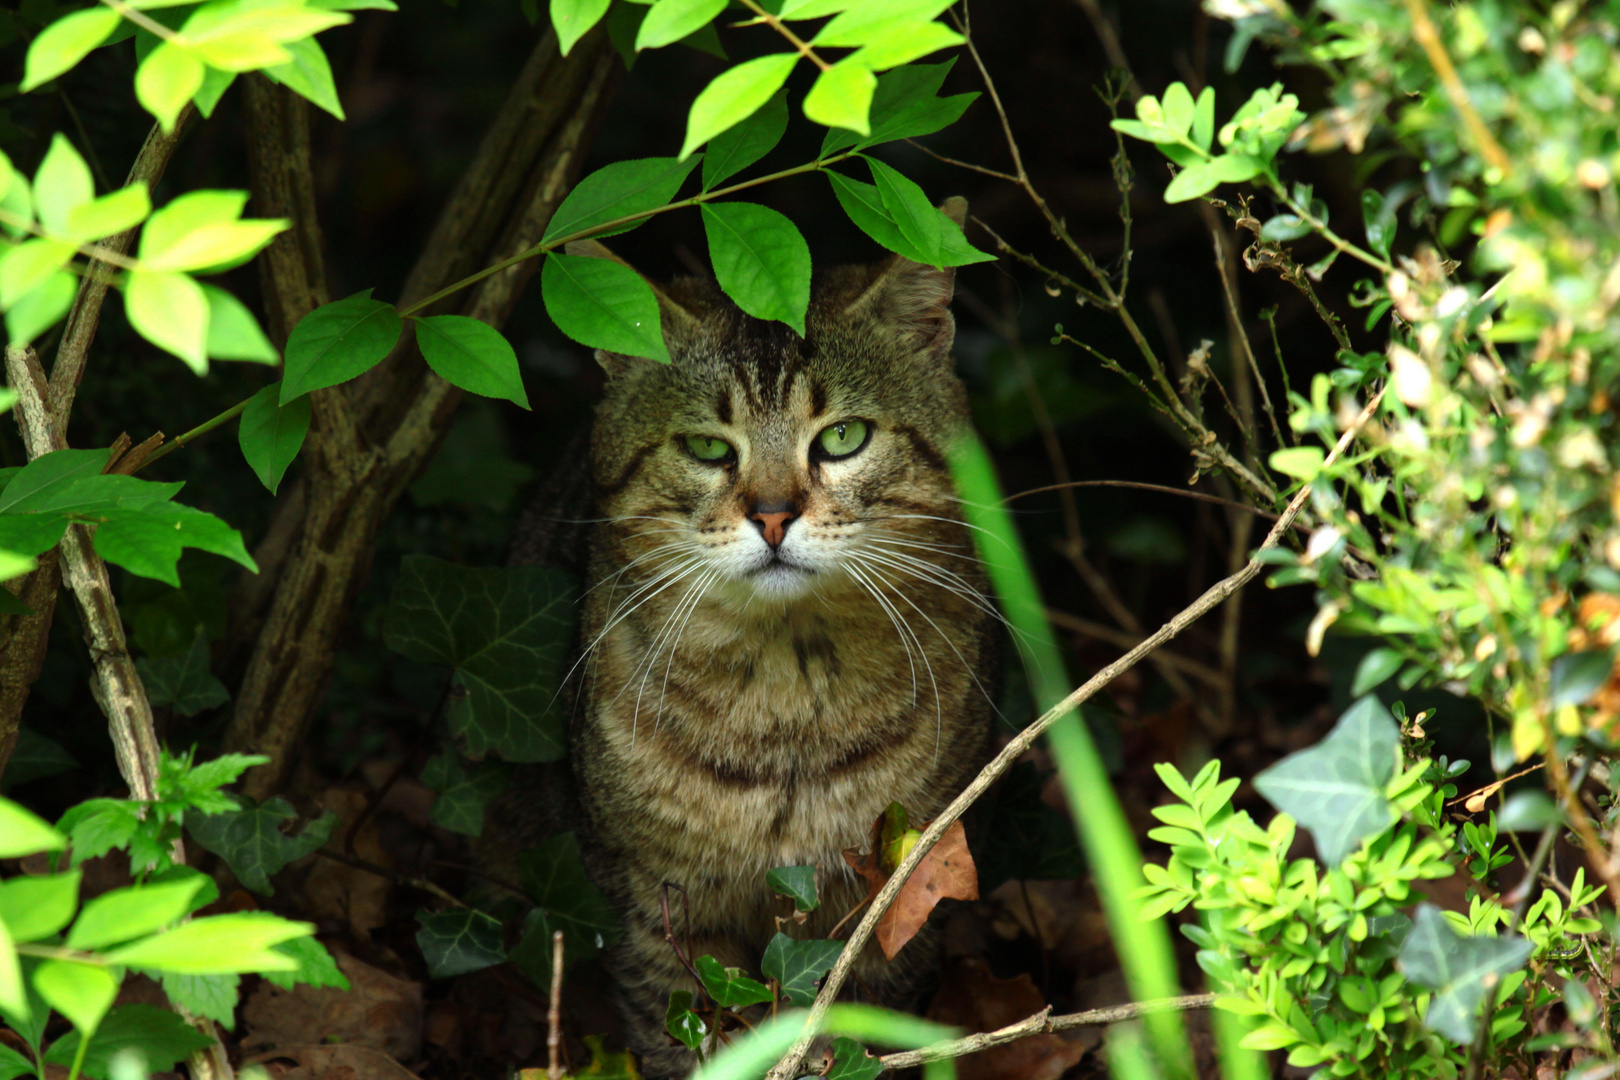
{"x":773,"y":526}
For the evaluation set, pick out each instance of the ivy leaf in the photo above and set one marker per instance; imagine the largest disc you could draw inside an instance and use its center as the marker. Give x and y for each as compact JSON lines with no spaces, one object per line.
{"x":183,"y":682}
{"x":36,"y":757}
{"x":271,"y":434}
{"x":680,"y":1021}
{"x":1458,"y":969}
{"x":554,"y":876}
{"x":852,"y":1062}
{"x":603,"y":304}
{"x":458,"y":941}
{"x":1025,"y":839}
{"x":734,"y":96}
{"x":471,"y":354}
{"x":798,"y":883}
{"x":336,"y":342}
{"x":736,"y":148}
{"x":729,"y":986}
{"x":904,"y":107}
{"x":1336,"y":788}
{"x":506,"y":632}
{"x":618,"y":190}
{"x":158,"y":1036}
{"x":316,"y":966}
{"x":213,"y":996}
{"x":465,"y":788}
{"x":760,"y":260}
{"x":251,"y":842}
{"x":797,"y":966}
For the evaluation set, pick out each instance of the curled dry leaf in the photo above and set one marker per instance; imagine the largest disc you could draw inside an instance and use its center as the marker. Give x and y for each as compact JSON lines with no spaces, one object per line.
{"x":972,"y":998}
{"x":946,"y":872}
{"x":380,"y":1012}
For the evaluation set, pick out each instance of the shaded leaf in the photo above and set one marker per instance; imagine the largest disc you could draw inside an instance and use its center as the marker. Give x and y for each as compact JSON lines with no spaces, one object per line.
{"x":471,"y":354}
{"x":615,"y":191}
{"x":213,"y":996}
{"x":736,"y":148}
{"x":904,"y":107}
{"x":271,"y":434}
{"x":1577,"y":676}
{"x":458,"y":941}
{"x":183,"y":682}
{"x":1458,"y":969}
{"x":464,"y":789}
{"x":795,"y":882}
{"x":252,"y":842}
{"x":336,"y":342}
{"x":506,"y":632}
{"x":159,"y":1036}
{"x":554,"y":876}
{"x":316,"y":966}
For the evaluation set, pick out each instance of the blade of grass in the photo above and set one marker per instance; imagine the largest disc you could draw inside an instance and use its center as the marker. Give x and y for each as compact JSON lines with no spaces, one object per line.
{"x":1144,"y":947}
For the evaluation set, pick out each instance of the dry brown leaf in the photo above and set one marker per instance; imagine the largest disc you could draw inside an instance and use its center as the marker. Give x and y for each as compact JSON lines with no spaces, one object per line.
{"x":970,"y":997}
{"x":336,"y":891}
{"x":380,"y":1012}
{"x":336,"y":1061}
{"x":946,"y":872}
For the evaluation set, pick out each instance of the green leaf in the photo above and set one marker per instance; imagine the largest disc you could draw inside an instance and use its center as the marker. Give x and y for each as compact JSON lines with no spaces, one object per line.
{"x":603,"y":304}
{"x":862,"y":22}
{"x":904,"y":107}
{"x":1377,"y":666}
{"x":460,"y":940}
{"x":760,"y":260}
{"x":166,"y":80}
{"x":160,"y":1037}
{"x":506,"y":631}
{"x":554,"y":876}
{"x":1178,"y":108}
{"x":338,"y":341}
{"x":17,"y":200}
{"x":215,"y":83}
{"x":22,"y":833}
{"x":15,"y":999}
{"x":1378,"y":216}
{"x":1300,"y":462}
{"x":729,"y":986}
{"x":1527,"y":810}
{"x":183,"y":683}
{"x":852,"y":1062}
{"x":1203,"y":125}
{"x":901,"y":43}
{"x":233,"y":332}
{"x":185,"y":215}
{"x":1458,"y":969}
{"x":797,"y":966}
{"x":26,"y":266}
{"x":36,"y":757}
{"x":41,"y":308}
{"x":738,"y":147}
{"x":1577,"y":676}
{"x":112,"y":213}
{"x":37,"y":907}
{"x":271,"y":434}
{"x":81,"y":992}
{"x":170,"y":310}
{"x":669,"y":21}
{"x":1191,"y":182}
{"x":1284,"y":227}
{"x":149,"y":540}
{"x":798,"y":883}
{"x":217,"y":245}
{"x":132,"y":912}
{"x":733,"y":96}
{"x":219,"y":944}
{"x":213,"y":996}
{"x":918,"y":219}
{"x":681,"y":1022}
{"x":842,"y":97}
{"x":96,"y":826}
{"x":465,"y":788}
{"x":615,"y":191}
{"x":573,"y":19}
{"x":308,"y":74}
{"x":61,"y":185}
{"x":65,"y":42}
{"x":252,"y":843}
{"x":1336,"y":788}
{"x":316,"y":966}
{"x":471,"y":354}
{"x":864,"y":205}
{"x":13,"y":1064}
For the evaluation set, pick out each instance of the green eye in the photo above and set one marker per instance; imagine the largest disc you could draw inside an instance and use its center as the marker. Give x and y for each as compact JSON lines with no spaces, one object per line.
{"x":706,"y":449}
{"x":843,"y":438}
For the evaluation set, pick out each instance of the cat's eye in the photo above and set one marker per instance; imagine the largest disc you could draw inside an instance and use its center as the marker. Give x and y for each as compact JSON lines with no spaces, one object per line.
{"x":842,"y":439}
{"x":710,"y":451}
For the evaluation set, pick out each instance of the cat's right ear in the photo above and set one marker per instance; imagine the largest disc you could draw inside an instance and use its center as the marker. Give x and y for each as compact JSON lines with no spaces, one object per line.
{"x":676,"y":322}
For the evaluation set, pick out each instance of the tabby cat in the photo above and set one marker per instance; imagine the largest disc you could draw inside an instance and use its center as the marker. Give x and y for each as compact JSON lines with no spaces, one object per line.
{"x":786,"y":625}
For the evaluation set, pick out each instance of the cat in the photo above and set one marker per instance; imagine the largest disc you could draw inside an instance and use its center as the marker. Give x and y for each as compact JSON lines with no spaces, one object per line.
{"x":786,"y":626}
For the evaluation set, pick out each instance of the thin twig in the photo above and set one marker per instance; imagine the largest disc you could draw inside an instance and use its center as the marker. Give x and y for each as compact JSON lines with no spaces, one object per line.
{"x":1230,"y":504}
{"x":787,"y":1067}
{"x":554,"y":1067}
{"x":1427,"y":36}
{"x":410,"y":881}
{"x":1121,"y":639}
{"x":1040,"y":1024}
{"x":800,"y":46}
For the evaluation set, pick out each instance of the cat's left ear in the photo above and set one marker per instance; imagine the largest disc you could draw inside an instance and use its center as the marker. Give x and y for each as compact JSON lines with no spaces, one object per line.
{"x":915,"y":297}
{"x":677,"y":322}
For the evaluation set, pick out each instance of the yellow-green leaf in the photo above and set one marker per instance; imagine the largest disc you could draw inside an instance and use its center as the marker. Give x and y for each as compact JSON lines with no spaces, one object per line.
{"x":170,"y":310}
{"x":112,"y":213}
{"x":733,"y":96}
{"x":166,"y":80}
{"x":842,"y":97}
{"x":65,"y":42}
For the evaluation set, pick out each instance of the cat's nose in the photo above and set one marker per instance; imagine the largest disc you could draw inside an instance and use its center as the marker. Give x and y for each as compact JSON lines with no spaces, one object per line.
{"x":772,"y":519}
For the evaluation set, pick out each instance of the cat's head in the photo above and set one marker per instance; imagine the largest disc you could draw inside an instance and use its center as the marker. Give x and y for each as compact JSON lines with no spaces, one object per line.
{"x":781,"y":466}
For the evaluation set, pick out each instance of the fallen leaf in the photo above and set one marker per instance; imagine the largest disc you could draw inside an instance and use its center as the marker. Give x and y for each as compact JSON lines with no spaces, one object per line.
{"x":381,"y":1012}
{"x":970,"y":997}
{"x":946,"y":872}
{"x":336,"y":891}
{"x":337,"y":1061}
